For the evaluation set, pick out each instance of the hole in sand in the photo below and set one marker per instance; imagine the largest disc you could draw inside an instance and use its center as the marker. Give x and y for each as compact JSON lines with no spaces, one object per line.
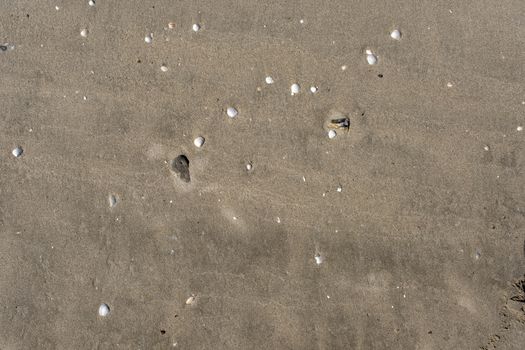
{"x":181,"y":166}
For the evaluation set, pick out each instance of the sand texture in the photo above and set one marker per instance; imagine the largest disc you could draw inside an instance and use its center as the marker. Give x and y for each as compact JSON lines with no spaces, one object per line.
{"x":403,"y":228}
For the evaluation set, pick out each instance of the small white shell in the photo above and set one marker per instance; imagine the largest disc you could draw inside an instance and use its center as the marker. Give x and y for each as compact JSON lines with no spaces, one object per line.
{"x":269,"y":80}
{"x":395,"y":34}
{"x":112,"y":200}
{"x":164,"y":68}
{"x":370,"y":57}
{"x":190,"y":300}
{"x":91,"y":2}
{"x":519,"y":128}
{"x":17,"y":152}
{"x":318,"y":259}
{"x":314,"y":89}
{"x":196,"y":27}
{"x":332,"y":134}
{"x":199,"y":141}
{"x":84,"y":33}
{"x":148,"y":38}
{"x":249,"y":166}
{"x":231,"y":112}
{"x":294,"y":89}
{"x":103,"y":310}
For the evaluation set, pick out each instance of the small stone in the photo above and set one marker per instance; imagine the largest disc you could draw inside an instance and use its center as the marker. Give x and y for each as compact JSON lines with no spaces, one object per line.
{"x":294,"y":89}
{"x":231,"y":112}
{"x":196,"y":27}
{"x":103,"y":310}
{"x":269,"y":80}
{"x":395,"y":34}
{"x":199,"y":141}
{"x":486,"y":148}
{"x":332,"y":134}
{"x":148,"y":38}
{"x":17,"y":152}
{"x":519,"y":128}
{"x":344,"y":67}
{"x":339,"y":189}
{"x":449,"y":85}
{"x":84,"y":33}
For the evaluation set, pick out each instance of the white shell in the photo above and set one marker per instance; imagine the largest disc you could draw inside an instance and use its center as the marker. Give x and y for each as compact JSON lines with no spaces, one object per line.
{"x":332,"y":134}
{"x":91,"y":2}
{"x":249,"y":166}
{"x":294,"y":89}
{"x":112,"y":200}
{"x":148,"y":38}
{"x":269,"y":80}
{"x":313,"y":89}
{"x":196,"y":27}
{"x":395,"y":34}
{"x":190,"y":300}
{"x":339,"y":189}
{"x":84,"y":33}
{"x":17,"y":152}
{"x":103,"y":310}
{"x":164,"y":68}
{"x":231,"y":112}
{"x":370,"y":57}
{"x":318,"y":259}
{"x":519,"y":128}
{"x":199,"y":141}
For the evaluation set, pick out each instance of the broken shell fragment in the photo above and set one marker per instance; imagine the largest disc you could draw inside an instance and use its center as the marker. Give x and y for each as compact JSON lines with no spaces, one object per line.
{"x":339,"y":123}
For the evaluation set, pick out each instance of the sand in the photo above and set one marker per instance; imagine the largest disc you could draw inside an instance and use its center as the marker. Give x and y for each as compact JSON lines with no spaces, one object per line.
{"x":403,"y":231}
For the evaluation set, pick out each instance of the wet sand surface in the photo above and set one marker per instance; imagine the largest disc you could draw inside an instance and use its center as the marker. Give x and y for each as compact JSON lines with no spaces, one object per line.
{"x":286,"y":228}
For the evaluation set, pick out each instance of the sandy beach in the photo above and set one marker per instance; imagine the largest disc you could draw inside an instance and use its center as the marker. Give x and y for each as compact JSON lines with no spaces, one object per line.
{"x":262,"y":175}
